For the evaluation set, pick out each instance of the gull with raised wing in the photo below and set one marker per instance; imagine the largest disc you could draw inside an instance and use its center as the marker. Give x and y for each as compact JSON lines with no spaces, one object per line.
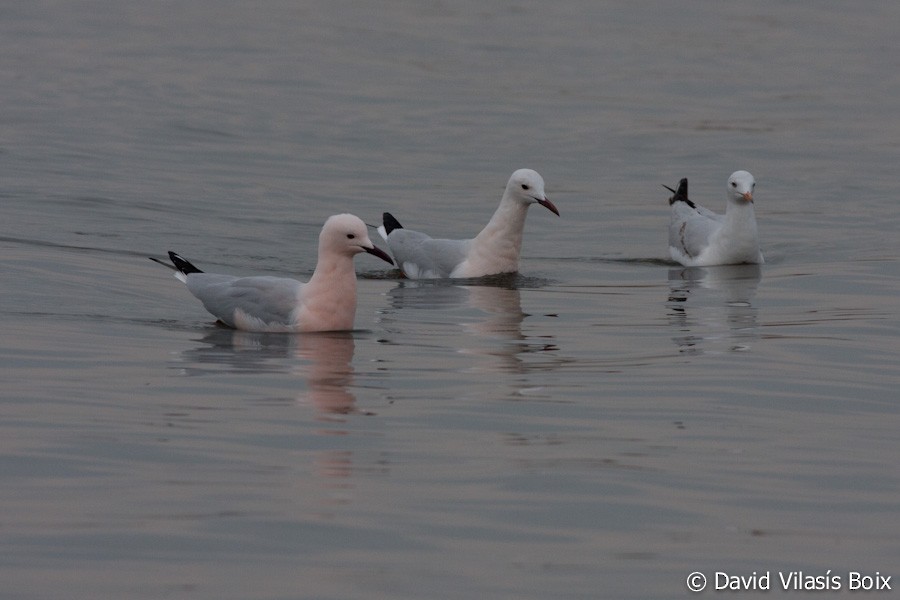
{"x":493,"y":251}
{"x":327,"y":302}
{"x":699,"y":237}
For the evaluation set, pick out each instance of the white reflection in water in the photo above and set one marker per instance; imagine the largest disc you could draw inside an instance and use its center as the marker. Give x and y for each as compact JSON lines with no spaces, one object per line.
{"x":496,"y":328}
{"x":324,"y":361}
{"x":711,"y":307}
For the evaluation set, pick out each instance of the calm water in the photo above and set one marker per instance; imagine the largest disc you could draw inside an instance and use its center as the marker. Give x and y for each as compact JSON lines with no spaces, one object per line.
{"x":599,"y":426}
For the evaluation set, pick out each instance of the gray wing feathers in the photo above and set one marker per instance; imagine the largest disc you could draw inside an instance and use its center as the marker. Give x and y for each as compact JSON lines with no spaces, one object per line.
{"x":427,"y":256}
{"x":270,"y":299}
{"x":690,"y":229}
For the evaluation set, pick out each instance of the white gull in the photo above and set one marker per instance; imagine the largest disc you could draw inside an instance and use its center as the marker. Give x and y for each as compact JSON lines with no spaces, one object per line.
{"x":699,"y":237}
{"x":276,"y":304}
{"x":493,"y":251}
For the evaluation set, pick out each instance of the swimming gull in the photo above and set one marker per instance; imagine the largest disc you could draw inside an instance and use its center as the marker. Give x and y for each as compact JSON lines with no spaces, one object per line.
{"x":699,"y":237}
{"x":495,"y":250}
{"x":263,"y":303}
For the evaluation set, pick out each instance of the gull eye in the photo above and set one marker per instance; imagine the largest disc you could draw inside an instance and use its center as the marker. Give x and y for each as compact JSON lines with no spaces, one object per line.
{"x":734,"y":184}
{"x":525,"y":186}
{"x":350,"y":236}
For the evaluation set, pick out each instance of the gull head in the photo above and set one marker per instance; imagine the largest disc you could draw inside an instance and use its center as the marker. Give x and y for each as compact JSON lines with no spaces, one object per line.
{"x":740,"y":187}
{"x":527,"y":186}
{"x":346,"y":235}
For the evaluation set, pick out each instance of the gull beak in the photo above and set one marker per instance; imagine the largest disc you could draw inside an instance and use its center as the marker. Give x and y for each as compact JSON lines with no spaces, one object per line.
{"x":748,"y":196}
{"x":376,"y":251}
{"x":545,"y":202}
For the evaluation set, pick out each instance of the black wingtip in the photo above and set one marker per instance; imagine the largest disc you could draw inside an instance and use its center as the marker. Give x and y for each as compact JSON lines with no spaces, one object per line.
{"x":390,"y":223}
{"x":183,"y":265}
{"x":160,"y":262}
{"x":681,"y":194}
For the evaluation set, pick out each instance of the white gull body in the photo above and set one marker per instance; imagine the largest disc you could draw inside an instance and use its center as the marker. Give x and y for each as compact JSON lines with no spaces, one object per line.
{"x":493,"y":251}
{"x":277,"y":304}
{"x":699,"y":237}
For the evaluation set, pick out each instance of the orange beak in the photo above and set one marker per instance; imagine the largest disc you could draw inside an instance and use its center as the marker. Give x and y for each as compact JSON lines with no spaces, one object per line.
{"x":748,"y":196}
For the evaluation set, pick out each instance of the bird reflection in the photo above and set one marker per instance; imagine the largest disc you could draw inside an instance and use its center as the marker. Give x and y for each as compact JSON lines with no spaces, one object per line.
{"x":711,"y":307}
{"x":330,"y":371}
{"x":318,"y":371}
{"x":498,"y":320}
{"x":325,"y":361}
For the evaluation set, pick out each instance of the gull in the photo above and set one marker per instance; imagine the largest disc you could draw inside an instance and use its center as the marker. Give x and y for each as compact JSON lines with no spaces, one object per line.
{"x":493,"y":251}
{"x":327,"y":302}
{"x":699,"y":237}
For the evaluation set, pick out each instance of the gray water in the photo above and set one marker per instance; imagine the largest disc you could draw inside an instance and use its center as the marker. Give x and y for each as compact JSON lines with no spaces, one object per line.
{"x":599,"y":426}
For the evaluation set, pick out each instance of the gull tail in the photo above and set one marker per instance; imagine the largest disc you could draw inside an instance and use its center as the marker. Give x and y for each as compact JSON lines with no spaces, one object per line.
{"x":390,"y":224}
{"x":681,"y":194}
{"x":182,"y":267}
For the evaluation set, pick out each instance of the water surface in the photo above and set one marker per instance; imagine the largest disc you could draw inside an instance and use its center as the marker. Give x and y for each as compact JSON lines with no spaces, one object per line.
{"x":600,"y":425}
